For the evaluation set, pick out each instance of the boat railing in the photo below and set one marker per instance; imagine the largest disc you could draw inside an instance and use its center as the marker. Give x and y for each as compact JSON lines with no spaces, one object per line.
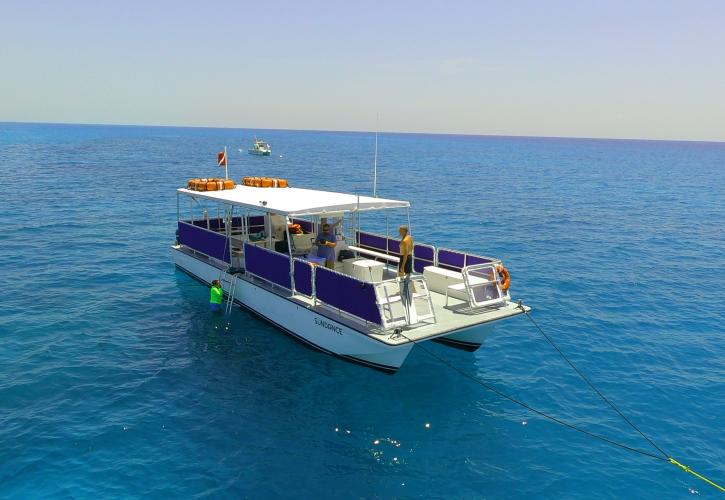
{"x":204,"y":241}
{"x":348,"y":295}
{"x":390,"y":303}
{"x":304,"y":277}
{"x":378,"y":242}
{"x":423,"y":254}
{"x":483,"y":285}
{"x":268,"y":265}
{"x":455,"y":260}
{"x":256,"y":224}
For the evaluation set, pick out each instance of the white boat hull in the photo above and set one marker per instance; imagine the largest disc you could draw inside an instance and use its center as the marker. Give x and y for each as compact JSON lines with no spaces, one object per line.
{"x":469,"y":339}
{"x":303,"y":323}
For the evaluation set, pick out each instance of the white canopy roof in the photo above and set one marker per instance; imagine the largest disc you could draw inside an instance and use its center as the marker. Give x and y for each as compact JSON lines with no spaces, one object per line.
{"x":295,"y":201}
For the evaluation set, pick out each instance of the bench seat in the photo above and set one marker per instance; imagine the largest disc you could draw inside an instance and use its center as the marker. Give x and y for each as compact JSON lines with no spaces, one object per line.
{"x":439,"y":279}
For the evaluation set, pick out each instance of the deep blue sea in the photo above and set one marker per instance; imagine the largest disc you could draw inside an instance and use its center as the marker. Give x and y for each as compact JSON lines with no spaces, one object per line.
{"x":115,"y":381}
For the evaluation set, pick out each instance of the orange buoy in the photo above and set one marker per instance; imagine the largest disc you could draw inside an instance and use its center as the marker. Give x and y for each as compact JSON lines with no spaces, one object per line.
{"x":505,"y":277}
{"x":282,"y":183}
{"x":229,"y":184}
{"x":257,"y":182}
{"x":266,"y":182}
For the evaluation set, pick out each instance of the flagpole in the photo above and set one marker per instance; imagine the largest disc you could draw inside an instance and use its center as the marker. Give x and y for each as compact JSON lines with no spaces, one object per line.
{"x":226,"y":163}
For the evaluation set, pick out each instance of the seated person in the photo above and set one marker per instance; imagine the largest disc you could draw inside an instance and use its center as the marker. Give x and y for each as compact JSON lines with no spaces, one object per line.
{"x":326,"y":243}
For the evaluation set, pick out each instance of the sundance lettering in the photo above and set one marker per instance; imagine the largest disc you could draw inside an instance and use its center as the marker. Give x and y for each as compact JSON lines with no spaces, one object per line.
{"x":328,"y":325}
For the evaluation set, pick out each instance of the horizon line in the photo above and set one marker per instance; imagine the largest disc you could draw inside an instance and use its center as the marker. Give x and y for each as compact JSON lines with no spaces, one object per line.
{"x":512,"y":136}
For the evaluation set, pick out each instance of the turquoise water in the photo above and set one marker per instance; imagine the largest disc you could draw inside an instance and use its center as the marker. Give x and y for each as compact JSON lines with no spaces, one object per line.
{"x":116,"y":382}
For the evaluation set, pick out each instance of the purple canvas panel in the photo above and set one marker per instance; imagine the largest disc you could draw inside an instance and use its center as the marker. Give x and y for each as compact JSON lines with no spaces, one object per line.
{"x":475,"y":259}
{"x":266,"y":264}
{"x":256,"y":224}
{"x":216,"y":223}
{"x":425,"y":252}
{"x":236,"y":222}
{"x":419,"y":265}
{"x":372,"y":241}
{"x":207,"y":242}
{"x":306,"y":225}
{"x":202,"y":223}
{"x":348,"y":294}
{"x":394,"y":246}
{"x":303,"y":277}
{"x":424,"y":256}
{"x":449,"y":259}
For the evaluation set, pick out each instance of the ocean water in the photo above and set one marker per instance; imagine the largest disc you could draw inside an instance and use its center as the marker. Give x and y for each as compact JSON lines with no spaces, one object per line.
{"x":115,"y":381}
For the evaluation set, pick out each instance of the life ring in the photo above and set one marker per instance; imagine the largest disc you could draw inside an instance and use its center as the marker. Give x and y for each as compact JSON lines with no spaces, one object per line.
{"x":505,"y":277}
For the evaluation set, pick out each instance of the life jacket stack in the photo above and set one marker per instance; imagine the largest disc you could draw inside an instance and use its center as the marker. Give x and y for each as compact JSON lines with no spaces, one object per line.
{"x":213,"y":184}
{"x":265,"y":182}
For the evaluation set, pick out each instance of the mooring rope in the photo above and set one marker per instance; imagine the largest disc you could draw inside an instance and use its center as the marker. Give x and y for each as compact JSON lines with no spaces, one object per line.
{"x":664,"y":458}
{"x":589,"y":382}
{"x":529,"y":407}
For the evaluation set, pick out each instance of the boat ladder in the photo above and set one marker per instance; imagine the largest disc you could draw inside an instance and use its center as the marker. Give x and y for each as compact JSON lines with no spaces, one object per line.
{"x":404,"y":302}
{"x":230,"y":295}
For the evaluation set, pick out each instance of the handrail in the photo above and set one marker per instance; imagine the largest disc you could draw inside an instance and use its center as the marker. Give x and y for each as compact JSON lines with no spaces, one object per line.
{"x":373,"y":253}
{"x":408,"y":313}
{"x":470,"y":286}
{"x":491,"y":260}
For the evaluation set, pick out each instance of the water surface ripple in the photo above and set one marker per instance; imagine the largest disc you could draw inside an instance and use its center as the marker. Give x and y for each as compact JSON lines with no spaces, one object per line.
{"x":116,"y":382}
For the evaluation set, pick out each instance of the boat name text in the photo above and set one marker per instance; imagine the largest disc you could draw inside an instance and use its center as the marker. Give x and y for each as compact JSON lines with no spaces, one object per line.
{"x":326,"y":324}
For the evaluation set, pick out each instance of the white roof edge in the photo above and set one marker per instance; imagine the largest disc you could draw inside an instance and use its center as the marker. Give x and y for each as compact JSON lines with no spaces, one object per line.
{"x":296,"y":201}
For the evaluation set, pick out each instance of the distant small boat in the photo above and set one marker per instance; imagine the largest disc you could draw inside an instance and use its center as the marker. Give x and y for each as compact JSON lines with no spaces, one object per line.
{"x":260,"y":148}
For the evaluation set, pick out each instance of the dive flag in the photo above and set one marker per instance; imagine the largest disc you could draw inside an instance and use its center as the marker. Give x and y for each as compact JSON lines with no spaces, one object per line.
{"x":222,"y":158}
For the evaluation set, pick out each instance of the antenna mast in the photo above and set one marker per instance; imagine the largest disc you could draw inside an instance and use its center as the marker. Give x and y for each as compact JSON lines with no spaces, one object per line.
{"x":375,"y":160}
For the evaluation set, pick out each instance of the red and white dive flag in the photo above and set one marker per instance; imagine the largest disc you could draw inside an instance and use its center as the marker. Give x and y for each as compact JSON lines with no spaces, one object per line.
{"x":222,"y":158}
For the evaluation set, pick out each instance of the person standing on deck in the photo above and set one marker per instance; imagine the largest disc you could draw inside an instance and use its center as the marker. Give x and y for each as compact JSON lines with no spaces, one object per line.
{"x":217,"y":296}
{"x":405,"y":266}
{"x":326,"y":243}
{"x":333,"y":225}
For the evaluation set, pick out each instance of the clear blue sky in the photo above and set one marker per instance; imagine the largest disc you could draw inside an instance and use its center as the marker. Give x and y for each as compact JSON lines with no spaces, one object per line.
{"x":630,"y":69}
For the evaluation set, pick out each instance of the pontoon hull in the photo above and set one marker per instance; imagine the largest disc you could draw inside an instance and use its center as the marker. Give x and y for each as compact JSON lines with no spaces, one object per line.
{"x":468,"y":340}
{"x":299,"y":321}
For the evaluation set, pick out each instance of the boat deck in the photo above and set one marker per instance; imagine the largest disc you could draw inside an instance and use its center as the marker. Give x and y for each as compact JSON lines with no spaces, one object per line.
{"x":456,"y":316}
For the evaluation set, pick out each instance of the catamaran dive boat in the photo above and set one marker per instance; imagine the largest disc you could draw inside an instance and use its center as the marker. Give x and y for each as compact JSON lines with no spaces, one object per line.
{"x":260,"y":148}
{"x":261,"y":246}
